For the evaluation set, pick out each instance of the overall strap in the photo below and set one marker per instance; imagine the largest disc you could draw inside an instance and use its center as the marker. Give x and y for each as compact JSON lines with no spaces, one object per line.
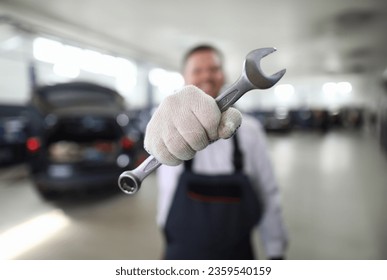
{"x":237,"y":157}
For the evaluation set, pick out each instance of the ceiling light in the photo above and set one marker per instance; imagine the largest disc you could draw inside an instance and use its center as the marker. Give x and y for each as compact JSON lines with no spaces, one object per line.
{"x":344,"y":87}
{"x":165,"y":81}
{"x":66,"y":70}
{"x":69,"y":60}
{"x":47,"y":50}
{"x":331,"y":89}
{"x":284,"y":92}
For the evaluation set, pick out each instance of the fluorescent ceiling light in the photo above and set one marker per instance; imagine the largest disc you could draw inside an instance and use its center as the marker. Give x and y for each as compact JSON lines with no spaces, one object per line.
{"x":333,"y":89}
{"x":166,"y":81}
{"x":66,"y":70}
{"x":284,"y":92}
{"x":344,"y":87}
{"x":76,"y":59}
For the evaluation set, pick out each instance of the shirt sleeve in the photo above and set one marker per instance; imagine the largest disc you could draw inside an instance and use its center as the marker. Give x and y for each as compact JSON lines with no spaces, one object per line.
{"x":271,"y":228}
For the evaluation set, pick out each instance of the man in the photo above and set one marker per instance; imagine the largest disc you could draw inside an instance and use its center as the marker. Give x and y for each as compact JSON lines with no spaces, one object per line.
{"x":208,"y":206}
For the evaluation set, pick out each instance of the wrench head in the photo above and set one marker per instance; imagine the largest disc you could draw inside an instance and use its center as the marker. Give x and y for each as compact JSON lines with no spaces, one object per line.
{"x":129,"y":183}
{"x":254,"y":73}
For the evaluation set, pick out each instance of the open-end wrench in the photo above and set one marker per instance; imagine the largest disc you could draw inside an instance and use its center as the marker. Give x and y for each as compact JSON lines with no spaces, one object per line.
{"x":252,"y":77}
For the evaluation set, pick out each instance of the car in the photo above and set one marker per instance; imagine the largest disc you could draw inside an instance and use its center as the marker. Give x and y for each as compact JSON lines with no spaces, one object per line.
{"x":277,"y":120}
{"x":312,"y":119}
{"x":13,"y":134}
{"x":81,"y":138}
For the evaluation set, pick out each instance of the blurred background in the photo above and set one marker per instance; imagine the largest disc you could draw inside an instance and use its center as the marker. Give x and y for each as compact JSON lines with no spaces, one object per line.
{"x":78,"y":81}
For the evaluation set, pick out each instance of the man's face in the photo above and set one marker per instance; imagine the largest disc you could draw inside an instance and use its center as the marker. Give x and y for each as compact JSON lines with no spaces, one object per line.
{"x":204,"y":70}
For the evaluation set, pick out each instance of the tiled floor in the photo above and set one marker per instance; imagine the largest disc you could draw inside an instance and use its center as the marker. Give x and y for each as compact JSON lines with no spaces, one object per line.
{"x":334,"y":188}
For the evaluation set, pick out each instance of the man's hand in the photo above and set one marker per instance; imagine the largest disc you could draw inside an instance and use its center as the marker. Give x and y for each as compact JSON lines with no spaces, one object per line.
{"x":186,"y":122}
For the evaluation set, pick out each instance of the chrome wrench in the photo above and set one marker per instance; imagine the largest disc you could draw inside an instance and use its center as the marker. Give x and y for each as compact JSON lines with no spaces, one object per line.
{"x":252,"y":77}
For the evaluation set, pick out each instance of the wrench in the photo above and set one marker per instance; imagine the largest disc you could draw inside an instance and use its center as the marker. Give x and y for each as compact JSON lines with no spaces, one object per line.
{"x":252,"y":77}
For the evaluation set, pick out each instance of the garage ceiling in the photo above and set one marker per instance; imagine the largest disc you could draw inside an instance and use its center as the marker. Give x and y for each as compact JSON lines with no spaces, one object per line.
{"x":337,"y":37}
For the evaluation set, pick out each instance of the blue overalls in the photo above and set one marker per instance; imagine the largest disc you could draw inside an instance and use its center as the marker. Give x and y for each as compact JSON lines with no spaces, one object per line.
{"x":212,"y":216}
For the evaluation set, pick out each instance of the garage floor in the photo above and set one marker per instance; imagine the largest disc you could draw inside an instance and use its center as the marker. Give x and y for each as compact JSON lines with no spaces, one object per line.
{"x":334,"y":188}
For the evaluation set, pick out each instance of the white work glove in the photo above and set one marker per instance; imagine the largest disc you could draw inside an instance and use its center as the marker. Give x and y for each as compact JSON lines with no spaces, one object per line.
{"x":186,"y":122}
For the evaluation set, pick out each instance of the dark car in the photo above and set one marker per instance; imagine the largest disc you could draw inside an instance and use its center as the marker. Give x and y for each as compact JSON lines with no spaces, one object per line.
{"x":13,"y":134}
{"x":81,"y":138}
{"x":311,"y":119}
{"x":274,"y":120}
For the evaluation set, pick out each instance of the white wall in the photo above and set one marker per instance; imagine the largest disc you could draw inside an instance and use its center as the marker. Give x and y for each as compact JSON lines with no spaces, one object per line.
{"x":13,"y":82}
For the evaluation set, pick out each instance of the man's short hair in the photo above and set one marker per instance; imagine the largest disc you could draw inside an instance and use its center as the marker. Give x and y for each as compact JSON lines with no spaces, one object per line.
{"x":201,"y":48}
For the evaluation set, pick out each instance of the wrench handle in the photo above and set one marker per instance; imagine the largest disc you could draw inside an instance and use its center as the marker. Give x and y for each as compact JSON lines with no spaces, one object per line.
{"x":231,"y":95}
